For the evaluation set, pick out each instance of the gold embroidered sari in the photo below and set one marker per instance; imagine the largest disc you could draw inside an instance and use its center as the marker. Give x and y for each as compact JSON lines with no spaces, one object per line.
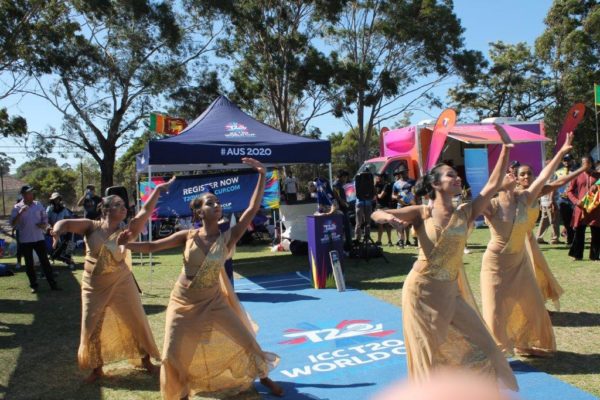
{"x":551,"y":289}
{"x":441,"y":326}
{"x":210,"y":344}
{"x":114,"y":326}
{"x":512,"y":304}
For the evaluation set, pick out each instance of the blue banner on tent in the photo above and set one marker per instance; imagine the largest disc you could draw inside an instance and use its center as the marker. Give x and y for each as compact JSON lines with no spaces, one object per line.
{"x":233,"y":190}
{"x":476,"y":169}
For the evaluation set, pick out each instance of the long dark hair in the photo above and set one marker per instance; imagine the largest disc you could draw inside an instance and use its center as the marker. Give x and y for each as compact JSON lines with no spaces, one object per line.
{"x":424,"y":185}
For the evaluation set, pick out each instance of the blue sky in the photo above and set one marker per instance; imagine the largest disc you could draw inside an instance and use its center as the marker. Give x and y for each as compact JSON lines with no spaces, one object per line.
{"x":484,"y":21}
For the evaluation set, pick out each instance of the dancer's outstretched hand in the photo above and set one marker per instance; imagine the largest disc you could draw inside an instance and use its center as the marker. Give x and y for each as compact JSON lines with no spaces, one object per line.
{"x":568,"y":145}
{"x":164,"y":187}
{"x":257,"y":165}
{"x":506,"y":140}
{"x":397,"y":223}
{"x":124,"y":237}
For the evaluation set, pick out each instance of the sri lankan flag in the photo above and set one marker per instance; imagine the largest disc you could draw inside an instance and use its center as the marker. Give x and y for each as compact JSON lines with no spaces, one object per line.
{"x":165,"y":124}
{"x":597,"y":94}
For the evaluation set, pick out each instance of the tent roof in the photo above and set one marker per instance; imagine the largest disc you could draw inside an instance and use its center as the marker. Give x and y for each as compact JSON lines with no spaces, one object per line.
{"x":221,"y":136}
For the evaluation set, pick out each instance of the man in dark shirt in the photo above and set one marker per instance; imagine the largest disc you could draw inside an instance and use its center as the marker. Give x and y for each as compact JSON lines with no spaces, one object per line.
{"x":383,"y":202}
{"x":90,"y":202}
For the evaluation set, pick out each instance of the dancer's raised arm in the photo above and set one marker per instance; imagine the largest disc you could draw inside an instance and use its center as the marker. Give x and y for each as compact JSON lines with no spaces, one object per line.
{"x":534,"y":190}
{"x":238,"y":230}
{"x":136,"y":225}
{"x":481,"y":202}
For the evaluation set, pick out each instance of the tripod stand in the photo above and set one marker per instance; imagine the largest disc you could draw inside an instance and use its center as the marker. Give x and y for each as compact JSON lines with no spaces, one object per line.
{"x":364,"y":246}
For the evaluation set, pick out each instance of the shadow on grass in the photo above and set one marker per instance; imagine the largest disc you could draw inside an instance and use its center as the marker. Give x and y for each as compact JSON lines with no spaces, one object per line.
{"x":561,"y":318}
{"x":46,"y":330}
{"x":566,"y":363}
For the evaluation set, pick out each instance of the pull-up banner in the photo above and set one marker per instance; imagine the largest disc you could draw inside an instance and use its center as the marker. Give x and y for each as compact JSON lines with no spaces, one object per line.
{"x":476,"y":169}
{"x":233,"y":190}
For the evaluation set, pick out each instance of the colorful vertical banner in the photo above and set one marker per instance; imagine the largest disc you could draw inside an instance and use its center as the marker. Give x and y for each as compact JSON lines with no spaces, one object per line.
{"x":271,"y":197}
{"x":476,"y":169}
{"x":596,"y":94}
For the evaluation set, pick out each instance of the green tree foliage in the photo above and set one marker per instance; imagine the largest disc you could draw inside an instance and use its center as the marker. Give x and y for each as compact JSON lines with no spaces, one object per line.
{"x":344,"y":150}
{"x":53,"y":179}
{"x":387,"y":57}
{"x":5,"y":163}
{"x":113,"y":69}
{"x":27,"y":27}
{"x":277,"y":71}
{"x":570,"y":48}
{"x":28,"y":167}
{"x":189,"y":101}
{"x":514,"y":85}
{"x":125,"y":167}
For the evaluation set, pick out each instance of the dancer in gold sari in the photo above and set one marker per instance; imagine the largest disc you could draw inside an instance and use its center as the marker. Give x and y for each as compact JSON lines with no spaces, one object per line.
{"x":210,"y":344}
{"x":549,"y":286}
{"x":512,"y":304}
{"x":441,"y":326}
{"x":114,"y":326}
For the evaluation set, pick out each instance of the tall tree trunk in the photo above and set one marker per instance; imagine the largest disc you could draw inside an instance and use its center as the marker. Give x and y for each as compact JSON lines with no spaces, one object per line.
{"x":107,"y":170}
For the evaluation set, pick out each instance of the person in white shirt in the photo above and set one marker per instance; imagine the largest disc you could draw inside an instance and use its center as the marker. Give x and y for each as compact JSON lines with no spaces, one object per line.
{"x":290,"y":188}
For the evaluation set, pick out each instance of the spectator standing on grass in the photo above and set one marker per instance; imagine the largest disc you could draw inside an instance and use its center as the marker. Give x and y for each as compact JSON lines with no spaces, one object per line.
{"x":290,"y":187}
{"x":383,"y":202}
{"x":565,"y":207}
{"x":31,"y":220}
{"x":19,"y":253}
{"x":581,"y":219}
{"x":56,"y":210}
{"x":403,"y":195}
{"x":340,"y":195}
{"x":90,"y":201}
{"x":549,"y":215}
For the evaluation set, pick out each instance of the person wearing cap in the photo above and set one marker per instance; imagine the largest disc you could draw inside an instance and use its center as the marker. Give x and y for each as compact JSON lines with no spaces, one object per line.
{"x":90,"y":201}
{"x":56,"y":210}
{"x":565,"y":207}
{"x":30,"y":218}
{"x":402,"y":194}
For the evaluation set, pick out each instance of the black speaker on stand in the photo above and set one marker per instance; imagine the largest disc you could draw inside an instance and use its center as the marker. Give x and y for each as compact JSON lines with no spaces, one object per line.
{"x":366,"y":248}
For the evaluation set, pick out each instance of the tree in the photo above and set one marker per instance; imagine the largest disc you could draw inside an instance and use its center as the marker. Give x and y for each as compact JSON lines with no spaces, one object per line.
{"x":5,"y":163}
{"x":53,"y":179}
{"x":345,"y":150}
{"x":570,"y":49}
{"x":515,"y":85}
{"x":190,"y":101}
{"x":278,"y":73}
{"x":125,"y":168}
{"x":28,"y":167}
{"x":26,"y":26}
{"x":121,"y":58}
{"x":388,"y":51}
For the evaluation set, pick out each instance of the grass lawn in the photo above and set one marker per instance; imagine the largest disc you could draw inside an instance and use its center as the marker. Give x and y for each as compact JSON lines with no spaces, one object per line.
{"x":39,"y":333}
